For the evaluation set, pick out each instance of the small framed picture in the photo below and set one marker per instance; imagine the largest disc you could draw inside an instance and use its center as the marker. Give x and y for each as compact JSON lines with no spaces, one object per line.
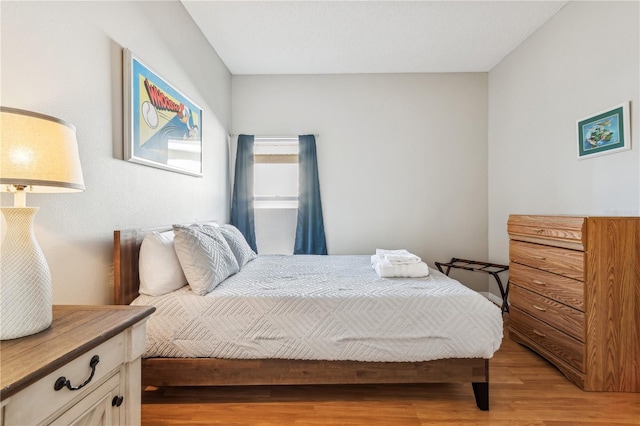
{"x":163,"y":127}
{"x":605,"y":132}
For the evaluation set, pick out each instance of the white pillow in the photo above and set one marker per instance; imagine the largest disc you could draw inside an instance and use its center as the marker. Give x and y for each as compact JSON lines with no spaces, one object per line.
{"x":239,"y":246}
{"x":205,"y":256}
{"x":158,"y":266}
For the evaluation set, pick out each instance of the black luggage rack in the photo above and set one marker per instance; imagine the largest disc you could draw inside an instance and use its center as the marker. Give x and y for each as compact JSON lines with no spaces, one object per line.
{"x":476,"y":266}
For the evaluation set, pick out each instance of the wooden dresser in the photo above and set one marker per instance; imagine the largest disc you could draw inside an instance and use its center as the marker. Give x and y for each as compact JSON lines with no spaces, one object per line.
{"x":575,"y":296}
{"x":94,"y":348}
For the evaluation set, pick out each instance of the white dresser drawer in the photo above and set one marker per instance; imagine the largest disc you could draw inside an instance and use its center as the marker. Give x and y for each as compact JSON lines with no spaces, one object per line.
{"x":40,"y":402}
{"x":96,"y":409}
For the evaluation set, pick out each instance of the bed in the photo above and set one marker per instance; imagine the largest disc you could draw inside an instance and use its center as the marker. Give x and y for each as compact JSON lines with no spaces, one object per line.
{"x":191,"y":365}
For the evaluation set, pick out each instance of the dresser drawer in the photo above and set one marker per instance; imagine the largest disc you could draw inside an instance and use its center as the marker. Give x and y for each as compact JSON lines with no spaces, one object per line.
{"x":560,"y":316}
{"x":48,"y":401}
{"x":97,"y":408}
{"x":569,"y":263}
{"x":561,"y":231}
{"x":563,"y":346}
{"x":564,"y":290}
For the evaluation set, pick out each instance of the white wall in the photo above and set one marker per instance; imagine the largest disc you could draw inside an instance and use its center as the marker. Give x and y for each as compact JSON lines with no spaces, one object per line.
{"x":584,"y":60}
{"x":64,"y":59}
{"x":402,"y":157}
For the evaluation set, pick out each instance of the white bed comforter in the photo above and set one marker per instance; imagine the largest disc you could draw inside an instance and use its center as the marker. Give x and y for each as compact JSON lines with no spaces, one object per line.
{"x":325,"y":308}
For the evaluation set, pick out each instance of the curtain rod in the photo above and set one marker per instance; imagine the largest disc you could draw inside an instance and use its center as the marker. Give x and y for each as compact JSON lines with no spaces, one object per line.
{"x":272,"y":136}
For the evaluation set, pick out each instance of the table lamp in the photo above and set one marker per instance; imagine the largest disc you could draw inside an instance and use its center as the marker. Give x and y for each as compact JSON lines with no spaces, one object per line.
{"x":39,"y":154}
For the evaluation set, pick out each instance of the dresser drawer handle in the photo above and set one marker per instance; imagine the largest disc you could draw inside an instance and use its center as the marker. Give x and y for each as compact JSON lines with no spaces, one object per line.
{"x":62,"y":381}
{"x":117,"y":401}
{"x":539,"y":257}
{"x":539,"y":308}
{"x":539,"y":333}
{"x":539,"y":282}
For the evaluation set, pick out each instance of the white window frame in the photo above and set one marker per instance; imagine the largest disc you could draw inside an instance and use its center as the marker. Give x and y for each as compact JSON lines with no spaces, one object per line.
{"x":275,"y":150}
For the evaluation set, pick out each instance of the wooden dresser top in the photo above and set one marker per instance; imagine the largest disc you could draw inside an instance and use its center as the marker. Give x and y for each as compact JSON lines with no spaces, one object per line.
{"x":74,"y":331}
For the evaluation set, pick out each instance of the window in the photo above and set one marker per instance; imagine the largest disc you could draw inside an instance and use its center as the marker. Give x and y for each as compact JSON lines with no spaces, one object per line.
{"x":275,"y":191}
{"x":275,"y":173}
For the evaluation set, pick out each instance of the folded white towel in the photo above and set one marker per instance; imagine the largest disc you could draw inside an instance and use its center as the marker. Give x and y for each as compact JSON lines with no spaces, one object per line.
{"x":413,"y":270}
{"x":398,"y":263}
{"x":397,"y":256}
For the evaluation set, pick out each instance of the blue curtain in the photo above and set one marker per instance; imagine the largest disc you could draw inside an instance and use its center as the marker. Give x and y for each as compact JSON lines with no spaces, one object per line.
{"x":242,"y":202}
{"x":310,"y":238}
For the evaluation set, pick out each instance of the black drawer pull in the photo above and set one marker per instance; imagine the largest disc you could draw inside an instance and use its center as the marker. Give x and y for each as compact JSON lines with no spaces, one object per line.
{"x":117,"y":401}
{"x":62,"y":381}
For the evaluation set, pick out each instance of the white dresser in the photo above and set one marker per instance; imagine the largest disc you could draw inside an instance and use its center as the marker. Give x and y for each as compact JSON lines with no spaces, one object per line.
{"x":83,"y":370}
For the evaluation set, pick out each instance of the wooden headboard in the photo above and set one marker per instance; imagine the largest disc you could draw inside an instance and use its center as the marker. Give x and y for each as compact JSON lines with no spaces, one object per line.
{"x":126,"y":248}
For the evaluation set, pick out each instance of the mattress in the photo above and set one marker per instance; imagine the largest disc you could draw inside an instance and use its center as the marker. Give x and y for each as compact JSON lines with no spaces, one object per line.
{"x":324,"y":308}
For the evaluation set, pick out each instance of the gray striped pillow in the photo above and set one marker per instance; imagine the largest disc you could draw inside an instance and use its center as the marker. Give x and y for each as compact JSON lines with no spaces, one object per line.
{"x":205,"y":256}
{"x":239,"y":246}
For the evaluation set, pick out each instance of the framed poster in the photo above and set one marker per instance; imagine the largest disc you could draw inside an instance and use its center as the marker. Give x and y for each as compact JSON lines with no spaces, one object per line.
{"x":605,"y":132}
{"x":162,"y":127}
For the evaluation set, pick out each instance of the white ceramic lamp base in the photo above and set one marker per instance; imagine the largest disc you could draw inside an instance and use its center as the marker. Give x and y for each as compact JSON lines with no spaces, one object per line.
{"x":25,"y":280}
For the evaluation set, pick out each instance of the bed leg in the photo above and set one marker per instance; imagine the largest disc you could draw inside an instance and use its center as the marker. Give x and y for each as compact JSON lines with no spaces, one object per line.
{"x":481,"y":392}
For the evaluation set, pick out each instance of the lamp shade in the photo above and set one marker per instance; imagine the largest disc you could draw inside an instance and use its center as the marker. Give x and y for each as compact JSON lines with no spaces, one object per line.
{"x":39,"y":153}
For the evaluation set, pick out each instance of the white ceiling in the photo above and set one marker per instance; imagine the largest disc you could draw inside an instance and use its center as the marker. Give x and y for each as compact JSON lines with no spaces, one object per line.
{"x":336,"y":37}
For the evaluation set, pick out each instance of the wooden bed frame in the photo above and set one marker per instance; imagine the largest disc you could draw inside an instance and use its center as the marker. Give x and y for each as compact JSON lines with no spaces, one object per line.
{"x":235,"y":372}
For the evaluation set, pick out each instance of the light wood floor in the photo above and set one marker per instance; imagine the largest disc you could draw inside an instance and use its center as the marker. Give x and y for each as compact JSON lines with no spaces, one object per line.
{"x":525,"y":390}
